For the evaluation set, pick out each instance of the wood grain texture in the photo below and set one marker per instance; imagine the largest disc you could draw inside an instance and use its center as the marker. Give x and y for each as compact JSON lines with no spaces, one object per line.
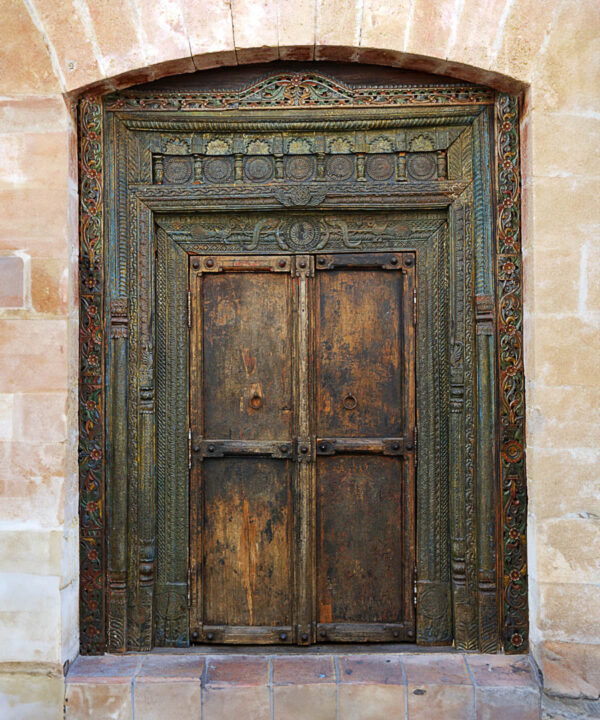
{"x":242,"y":421}
{"x":354,"y":183}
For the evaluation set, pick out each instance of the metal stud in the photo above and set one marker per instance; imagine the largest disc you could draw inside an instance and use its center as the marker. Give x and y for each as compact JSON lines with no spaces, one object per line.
{"x":283,"y":637}
{"x":302,"y":263}
{"x":394,"y":260}
{"x":209,"y":636}
{"x":195,"y":635}
{"x":304,"y":449}
{"x":304,"y":637}
{"x":282,"y":263}
{"x":284,"y":448}
{"x":196,"y":264}
{"x":210,"y":262}
{"x":409,"y":260}
{"x":211,"y":448}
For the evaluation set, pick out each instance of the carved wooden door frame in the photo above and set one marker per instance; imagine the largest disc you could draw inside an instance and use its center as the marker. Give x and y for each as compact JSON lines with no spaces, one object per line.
{"x":434,"y":169}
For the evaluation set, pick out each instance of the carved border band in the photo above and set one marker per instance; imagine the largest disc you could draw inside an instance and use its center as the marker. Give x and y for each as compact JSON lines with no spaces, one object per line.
{"x":303,"y":90}
{"x":515,"y":625}
{"x":300,"y":92}
{"x":92,"y":518}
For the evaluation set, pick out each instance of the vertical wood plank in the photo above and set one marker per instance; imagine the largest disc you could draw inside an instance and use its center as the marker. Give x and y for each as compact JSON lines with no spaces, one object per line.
{"x":146,"y":546}
{"x":117,"y":480}
{"x":304,"y":533}
{"x":196,"y":436}
{"x":172,"y":386}
{"x":486,"y":475}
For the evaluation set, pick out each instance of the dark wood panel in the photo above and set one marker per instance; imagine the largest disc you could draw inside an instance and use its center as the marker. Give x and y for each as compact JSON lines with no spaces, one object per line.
{"x":358,"y":353}
{"x":247,"y":336}
{"x":361,"y":569}
{"x":247,"y":542}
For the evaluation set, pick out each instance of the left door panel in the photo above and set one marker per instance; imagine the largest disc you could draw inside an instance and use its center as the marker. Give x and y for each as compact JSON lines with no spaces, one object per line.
{"x":241,"y":454}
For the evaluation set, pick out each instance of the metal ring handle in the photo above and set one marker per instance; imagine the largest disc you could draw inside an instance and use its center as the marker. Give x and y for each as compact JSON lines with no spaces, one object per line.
{"x":349,"y":402}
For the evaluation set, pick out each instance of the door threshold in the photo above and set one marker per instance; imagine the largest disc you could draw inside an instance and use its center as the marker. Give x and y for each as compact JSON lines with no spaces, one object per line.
{"x":321,"y":649}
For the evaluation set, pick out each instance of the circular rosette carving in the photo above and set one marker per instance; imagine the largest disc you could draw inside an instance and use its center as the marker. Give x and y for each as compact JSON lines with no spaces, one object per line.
{"x":299,"y":167}
{"x":432,"y":604}
{"x":340,"y":167}
{"x":178,"y":170}
{"x":421,"y":166}
{"x":512,"y":451}
{"x":380,"y":167}
{"x":300,"y":234}
{"x":218,"y":170}
{"x":258,"y":169}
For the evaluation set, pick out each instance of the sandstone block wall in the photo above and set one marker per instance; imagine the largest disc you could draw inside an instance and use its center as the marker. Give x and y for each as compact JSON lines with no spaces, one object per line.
{"x":50,"y":50}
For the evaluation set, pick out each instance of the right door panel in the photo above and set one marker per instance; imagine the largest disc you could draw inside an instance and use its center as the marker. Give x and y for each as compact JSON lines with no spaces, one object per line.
{"x":364,"y":392}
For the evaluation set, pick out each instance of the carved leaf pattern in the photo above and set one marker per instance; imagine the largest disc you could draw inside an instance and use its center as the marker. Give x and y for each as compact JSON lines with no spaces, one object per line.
{"x":291,"y":90}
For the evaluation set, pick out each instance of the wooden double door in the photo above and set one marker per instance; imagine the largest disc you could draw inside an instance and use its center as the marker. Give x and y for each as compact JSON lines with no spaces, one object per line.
{"x":302,"y":448}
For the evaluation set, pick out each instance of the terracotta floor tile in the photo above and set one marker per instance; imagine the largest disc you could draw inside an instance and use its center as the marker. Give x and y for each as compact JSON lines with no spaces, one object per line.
{"x":303,"y":670}
{"x":436,"y":669}
{"x":236,"y":703}
{"x":508,"y":703}
{"x":85,"y":701}
{"x":237,"y":670}
{"x":167,"y":700}
{"x":305,"y":702}
{"x":502,"y":670}
{"x":379,"y":669}
{"x":172,"y":667}
{"x":440,"y":702}
{"x":372,"y":702}
{"x":104,"y":668}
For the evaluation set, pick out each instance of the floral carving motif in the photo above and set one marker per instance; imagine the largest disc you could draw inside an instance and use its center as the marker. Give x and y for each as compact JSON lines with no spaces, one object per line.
{"x":91,"y":384}
{"x":304,"y":90}
{"x":299,"y":90}
{"x":512,"y":386}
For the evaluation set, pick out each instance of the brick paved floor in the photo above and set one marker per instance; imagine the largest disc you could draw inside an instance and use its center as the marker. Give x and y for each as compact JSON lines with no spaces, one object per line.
{"x":316,"y":686}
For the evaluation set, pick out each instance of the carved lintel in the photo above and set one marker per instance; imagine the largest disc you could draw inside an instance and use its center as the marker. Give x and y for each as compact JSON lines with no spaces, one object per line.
{"x":119,"y":319}
{"x":300,"y":196}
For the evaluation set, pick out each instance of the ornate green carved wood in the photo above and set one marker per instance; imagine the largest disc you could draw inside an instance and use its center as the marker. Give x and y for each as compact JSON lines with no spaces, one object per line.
{"x":396,"y":168}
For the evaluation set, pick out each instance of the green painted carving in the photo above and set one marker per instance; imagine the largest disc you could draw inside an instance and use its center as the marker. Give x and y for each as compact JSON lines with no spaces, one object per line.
{"x":158,"y":178}
{"x":292,"y":90}
{"x":515,"y":621}
{"x":92,"y":409}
